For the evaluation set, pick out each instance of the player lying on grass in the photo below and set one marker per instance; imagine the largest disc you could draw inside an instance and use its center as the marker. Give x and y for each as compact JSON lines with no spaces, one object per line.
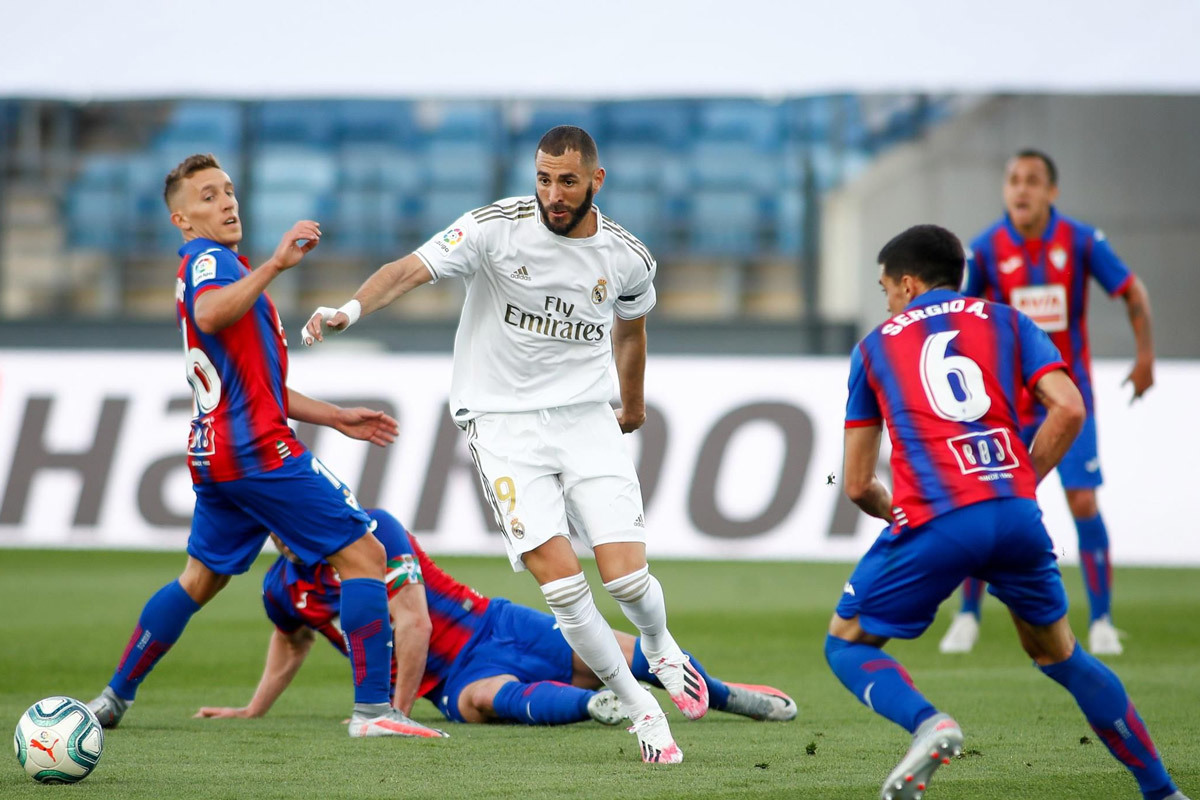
{"x":478,"y":659}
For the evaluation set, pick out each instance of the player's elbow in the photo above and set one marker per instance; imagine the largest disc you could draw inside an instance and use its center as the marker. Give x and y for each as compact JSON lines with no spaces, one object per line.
{"x":857,"y":489}
{"x":206,"y":320}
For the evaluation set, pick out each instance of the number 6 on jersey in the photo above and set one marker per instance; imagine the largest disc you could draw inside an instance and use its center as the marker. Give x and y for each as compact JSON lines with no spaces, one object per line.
{"x":953,"y":384}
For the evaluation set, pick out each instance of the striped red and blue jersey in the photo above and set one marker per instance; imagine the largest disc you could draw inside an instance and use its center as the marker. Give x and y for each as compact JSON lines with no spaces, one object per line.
{"x":945,"y":376}
{"x":296,"y":596}
{"x":1047,"y":279}
{"x":238,"y":374}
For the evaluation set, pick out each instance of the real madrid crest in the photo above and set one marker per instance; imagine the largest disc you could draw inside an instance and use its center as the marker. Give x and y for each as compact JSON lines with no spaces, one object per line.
{"x":600,"y":291}
{"x":518,"y":530}
{"x":1058,"y":257}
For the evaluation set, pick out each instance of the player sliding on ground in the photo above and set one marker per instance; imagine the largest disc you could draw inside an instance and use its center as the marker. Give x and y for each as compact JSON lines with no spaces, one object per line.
{"x":556,"y":293}
{"x":251,"y":473}
{"x":478,"y":659}
{"x":944,"y":373}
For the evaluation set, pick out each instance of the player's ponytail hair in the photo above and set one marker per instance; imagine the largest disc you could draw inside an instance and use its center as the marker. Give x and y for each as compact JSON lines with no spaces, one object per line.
{"x":929,"y":253}
{"x":188,"y":167}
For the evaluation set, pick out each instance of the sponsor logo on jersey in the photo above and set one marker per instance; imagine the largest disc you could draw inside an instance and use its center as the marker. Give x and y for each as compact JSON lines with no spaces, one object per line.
{"x":545,"y":323}
{"x":600,"y":291}
{"x":521,"y":274}
{"x":1045,"y":305}
{"x":202,"y":441}
{"x":1058,"y":257}
{"x":1011,"y":264}
{"x":640,"y":522}
{"x":452,"y":236}
{"x":204,"y":268}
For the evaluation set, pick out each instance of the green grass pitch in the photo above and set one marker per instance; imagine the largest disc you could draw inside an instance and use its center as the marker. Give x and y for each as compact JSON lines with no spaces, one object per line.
{"x":68,"y":615}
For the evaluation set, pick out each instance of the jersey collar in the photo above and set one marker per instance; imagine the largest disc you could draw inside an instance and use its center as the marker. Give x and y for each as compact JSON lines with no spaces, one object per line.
{"x":1046,"y":235}
{"x":932,"y":296}
{"x":199,"y":245}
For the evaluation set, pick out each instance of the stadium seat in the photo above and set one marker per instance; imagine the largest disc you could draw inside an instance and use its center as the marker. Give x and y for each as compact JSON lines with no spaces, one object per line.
{"x":461,"y":121}
{"x":367,"y":166}
{"x":302,"y":122}
{"x":363,"y":221}
{"x":665,"y":123}
{"x":725,"y":222}
{"x":274,"y":211}
{"x":639,"y":211}
{"x":94,"y":216}
{"x":790,"y":215}
{"x":277,"y":167}
{"x":441,"y":207}
{"x":751,"y":122}
{"x":469,"y":165}
{"x":384,"y":122}
{"x":202,"y":127}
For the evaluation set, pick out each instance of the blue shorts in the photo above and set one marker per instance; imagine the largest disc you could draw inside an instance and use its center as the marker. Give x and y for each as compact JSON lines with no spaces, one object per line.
{"x":898,"y":585}
{"x":1080,"y":467}
{"x":520,"y":642}
{"x":312,"y":516}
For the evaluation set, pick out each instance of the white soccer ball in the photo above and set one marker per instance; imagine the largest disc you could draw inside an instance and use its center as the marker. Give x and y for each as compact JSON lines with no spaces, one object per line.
{"x":58,"y":740}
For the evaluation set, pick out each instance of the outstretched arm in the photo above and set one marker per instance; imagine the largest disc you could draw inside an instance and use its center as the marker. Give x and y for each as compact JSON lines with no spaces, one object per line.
{"x":629,"y":351}
{"x":366,"y":424}
{"x":1065,"y":415}
{"x":217,"y":309}
{"x":285,"y":655}
{"x":411,"y":629}
{"x":862,"y":485}
{"x":1137,"y":304}
{"x":387,"y":284}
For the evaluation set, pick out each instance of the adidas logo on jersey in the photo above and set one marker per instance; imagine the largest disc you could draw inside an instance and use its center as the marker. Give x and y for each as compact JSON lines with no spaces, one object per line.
{"x":640,"y":522}
{"x":521,"y":274}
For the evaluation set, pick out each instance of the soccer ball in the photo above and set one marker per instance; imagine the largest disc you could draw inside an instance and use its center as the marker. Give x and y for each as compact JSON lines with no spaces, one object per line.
{"x":58,"y":740}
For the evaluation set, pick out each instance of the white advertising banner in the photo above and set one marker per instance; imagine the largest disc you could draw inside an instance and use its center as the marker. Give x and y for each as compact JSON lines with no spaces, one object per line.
{"x":740,"y":457}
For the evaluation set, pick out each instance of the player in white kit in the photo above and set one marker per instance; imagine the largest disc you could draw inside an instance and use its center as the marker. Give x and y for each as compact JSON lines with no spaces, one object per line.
{"x":555,"y":292}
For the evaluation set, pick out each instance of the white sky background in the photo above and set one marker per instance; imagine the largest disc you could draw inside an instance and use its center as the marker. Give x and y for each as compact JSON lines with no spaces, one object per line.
{"x":624,"y":48}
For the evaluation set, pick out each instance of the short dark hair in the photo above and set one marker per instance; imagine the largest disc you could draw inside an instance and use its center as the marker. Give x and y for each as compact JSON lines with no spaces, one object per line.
{"x":929,"y":253}
{"x":187,"y":168}
{"x":557,"y":141}
{"x":1051,"y":170}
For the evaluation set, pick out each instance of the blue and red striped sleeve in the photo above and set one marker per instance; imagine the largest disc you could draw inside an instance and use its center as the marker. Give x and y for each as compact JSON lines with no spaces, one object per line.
{"x":1104,"y":264}
{"x":1038,"y":354}
{"x":862,"y":407}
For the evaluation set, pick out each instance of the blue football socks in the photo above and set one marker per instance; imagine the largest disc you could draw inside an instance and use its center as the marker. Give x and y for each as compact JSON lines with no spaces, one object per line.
{"x":878,"y":681}
{"x":972,"y":596}
{"x":163,"y":619}
{"x":718,"y":692}
{"x":542,"y":703}
{"x":364,"y":614}
{"x":1097,"y":569}
{"x":1109,"y":711}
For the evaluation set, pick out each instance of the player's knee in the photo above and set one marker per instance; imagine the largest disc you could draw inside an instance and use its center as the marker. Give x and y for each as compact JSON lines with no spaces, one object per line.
{"x":1082,"y":503}
{"x":363,"y":558}
{"x":200,"y":582}
{"x":477,"y":702}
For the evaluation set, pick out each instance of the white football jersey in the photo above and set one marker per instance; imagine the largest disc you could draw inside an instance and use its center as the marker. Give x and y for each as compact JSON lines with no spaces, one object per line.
{"x":535,"y":325}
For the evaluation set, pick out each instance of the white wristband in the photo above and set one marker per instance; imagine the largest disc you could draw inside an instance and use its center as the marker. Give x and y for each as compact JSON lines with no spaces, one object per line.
{"x":353,"y":310}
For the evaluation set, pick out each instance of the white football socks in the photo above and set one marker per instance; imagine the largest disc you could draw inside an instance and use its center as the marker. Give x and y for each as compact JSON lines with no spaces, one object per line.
{"x":591,"y":637}
{"x":640,"y":596}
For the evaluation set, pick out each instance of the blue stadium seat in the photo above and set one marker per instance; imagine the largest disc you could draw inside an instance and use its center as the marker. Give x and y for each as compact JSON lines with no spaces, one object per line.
{"x":293,"y":167}
{"x":382,"y":166}
{"x":750,"y":121}
{"x":390,"y":122}
{"x":363,"y":221}
{"x":534,"y":122}
{"x":638,"y":211}
{"x":95,"y":216}
{"x":724,"y":222}
{"x":735,"y":165}
{"x":305,"y":122}
{"x":274,"y":211}
{"x":455,"y":164}
{"x":790,"y":213}
{"x":440,"y":207}
{"x":667,"y":123}
{"x":202,"y":127}
{"x":462,"y":121}
{"x":633,"y":166}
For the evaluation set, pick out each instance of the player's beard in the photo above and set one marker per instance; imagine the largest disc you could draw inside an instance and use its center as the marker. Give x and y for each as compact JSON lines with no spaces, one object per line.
{"x":565,"y":228}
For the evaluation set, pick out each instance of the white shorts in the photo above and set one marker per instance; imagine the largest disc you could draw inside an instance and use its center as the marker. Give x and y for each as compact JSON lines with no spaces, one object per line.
{"x":541,"y":468}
